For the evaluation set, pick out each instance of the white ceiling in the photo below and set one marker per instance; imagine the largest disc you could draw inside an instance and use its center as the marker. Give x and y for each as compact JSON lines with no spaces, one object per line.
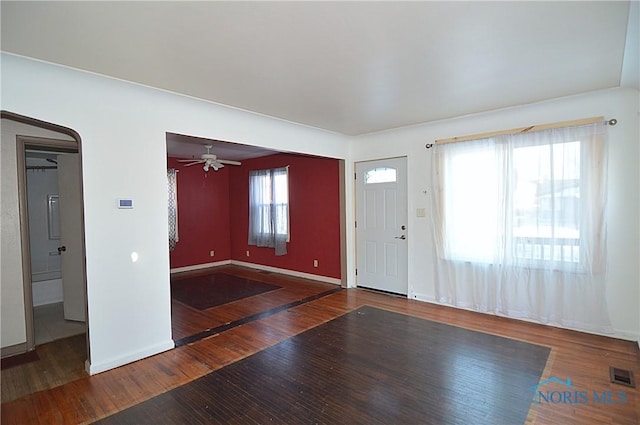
{"x":348,"y":67}
{"x":189,"y":147}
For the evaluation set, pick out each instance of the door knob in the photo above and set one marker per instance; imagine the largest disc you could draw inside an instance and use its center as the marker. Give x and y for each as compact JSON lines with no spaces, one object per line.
{"x":403,"y":237}
{"x":62,"y":249}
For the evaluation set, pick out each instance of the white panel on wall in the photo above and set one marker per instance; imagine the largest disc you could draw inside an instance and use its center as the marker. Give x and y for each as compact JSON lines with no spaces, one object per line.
{"x":371,"y":257}
{"x":390,"y":217}
{"x":369,"y":205}
{"x":391,"y":260}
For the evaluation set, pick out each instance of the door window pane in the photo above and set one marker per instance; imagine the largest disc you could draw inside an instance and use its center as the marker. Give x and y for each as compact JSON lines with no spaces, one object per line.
{"x":380,"y":175}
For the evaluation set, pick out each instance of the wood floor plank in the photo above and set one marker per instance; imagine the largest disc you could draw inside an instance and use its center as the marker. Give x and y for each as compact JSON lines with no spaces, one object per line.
{"x":59,"y":362}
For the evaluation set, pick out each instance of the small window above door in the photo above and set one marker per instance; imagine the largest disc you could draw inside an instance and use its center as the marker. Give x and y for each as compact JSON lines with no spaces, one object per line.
{"x":380,"y":175}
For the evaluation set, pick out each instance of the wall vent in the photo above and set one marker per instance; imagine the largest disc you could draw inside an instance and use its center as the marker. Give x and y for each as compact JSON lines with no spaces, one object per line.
{"x":622,"y":377}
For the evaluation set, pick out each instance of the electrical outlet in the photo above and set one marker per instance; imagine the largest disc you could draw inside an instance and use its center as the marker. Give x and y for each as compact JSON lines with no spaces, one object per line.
{"x":212,"y":253}
{"x":315,"y":263}
{"x":247,"y":252}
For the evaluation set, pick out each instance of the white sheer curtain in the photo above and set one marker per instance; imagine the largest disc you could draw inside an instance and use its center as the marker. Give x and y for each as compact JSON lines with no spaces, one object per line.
{"x":519,"y":226}
{"x":269,"y":208}
{"x":172,"y":190}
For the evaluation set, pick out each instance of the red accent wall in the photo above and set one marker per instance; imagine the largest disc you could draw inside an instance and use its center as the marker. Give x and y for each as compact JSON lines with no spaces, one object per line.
{"x":213,"y":214}
{"x":203,"y":215}
{"x":314,"y":204}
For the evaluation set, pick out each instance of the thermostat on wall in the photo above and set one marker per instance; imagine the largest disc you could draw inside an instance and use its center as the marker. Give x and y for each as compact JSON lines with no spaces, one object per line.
{"x":125,"y":203}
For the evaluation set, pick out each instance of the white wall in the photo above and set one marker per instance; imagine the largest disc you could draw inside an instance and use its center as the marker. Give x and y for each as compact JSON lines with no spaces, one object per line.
{"x":12,"y":330}
{"x":624,"y":186}
{"x":123,"y":127}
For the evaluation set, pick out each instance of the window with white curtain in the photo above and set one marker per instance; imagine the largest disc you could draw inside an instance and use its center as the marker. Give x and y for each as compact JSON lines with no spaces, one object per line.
{"x":269,"y":208}
{"x":519,"y":225}
{"x":526,"y":209}
{"x":172,"y":191}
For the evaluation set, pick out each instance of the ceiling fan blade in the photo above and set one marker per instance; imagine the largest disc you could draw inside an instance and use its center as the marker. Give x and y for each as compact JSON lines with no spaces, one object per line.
{"x":193,"y":163}
{"x":227,"y":161}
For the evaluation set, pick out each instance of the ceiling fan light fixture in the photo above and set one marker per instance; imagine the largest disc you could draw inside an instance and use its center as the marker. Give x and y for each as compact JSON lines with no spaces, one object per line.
{"x":209,"y":160}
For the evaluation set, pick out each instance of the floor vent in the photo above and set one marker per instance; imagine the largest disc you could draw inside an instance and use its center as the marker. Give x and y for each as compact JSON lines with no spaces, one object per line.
{"x":622,"y":377}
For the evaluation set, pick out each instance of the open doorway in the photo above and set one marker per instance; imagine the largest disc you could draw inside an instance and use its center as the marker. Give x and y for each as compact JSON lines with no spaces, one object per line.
{"x":52,"y":189}
{"x":64,"y":227}
{"x":43,"y":197}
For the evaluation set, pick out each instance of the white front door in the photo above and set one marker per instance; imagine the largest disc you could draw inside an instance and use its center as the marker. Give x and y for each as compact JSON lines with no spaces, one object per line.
{"x":73,"y":285}
{"x":381,"y":226}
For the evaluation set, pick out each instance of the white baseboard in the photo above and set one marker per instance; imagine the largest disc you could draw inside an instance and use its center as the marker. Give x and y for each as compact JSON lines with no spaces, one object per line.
{"x":628,"y":335}
{"x":200,"y":266}
{"x":13,"y":350}
{"x":617,"y":333}
{"x":94,"y":368}
{"x":303,"y":275}
{"x":422,"y":297}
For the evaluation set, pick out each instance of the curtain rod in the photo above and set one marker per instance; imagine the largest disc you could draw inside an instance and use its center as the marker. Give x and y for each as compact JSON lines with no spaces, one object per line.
{"x":572,"y":123}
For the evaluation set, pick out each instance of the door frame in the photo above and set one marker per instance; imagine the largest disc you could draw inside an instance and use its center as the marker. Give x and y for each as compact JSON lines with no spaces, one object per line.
{"x":56,"y":145}
{"x":355,"y":211}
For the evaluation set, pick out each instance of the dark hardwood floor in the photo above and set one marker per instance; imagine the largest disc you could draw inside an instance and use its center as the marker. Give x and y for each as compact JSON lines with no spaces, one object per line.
{"x":187,"y":320}
{"x":389,"y":368}
{"x":212,"y":290}
{"x":583,"y":358}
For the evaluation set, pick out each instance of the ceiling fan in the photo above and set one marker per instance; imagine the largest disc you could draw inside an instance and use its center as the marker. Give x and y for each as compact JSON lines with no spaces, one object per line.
{"x":209,"y":160}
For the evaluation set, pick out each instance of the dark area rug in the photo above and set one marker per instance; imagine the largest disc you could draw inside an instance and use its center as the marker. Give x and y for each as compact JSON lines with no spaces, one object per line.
{"x":203,"y":292}
{"x":370,"y":366}
{"x":19,"y":359}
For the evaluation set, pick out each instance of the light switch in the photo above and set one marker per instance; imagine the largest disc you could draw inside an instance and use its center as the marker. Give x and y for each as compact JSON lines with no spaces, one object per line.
{"x":421,"y":212}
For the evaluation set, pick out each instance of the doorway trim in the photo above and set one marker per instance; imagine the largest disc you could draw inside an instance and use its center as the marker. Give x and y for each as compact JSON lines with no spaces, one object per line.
{"x":63,"y":146}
